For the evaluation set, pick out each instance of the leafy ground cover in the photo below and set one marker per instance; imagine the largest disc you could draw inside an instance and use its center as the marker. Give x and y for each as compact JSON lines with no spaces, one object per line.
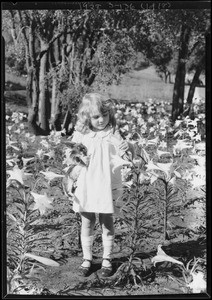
{"x":160,"y":242}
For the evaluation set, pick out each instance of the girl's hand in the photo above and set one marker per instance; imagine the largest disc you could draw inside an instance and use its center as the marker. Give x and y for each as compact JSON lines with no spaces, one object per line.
{"x":126,"y":149}
{"x":123,"y":146}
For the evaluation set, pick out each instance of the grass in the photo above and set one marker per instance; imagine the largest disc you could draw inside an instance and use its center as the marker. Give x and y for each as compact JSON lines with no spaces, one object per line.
{"x":14,"y":82}
{"x":137,"y":86}
{"x":142,"y":85}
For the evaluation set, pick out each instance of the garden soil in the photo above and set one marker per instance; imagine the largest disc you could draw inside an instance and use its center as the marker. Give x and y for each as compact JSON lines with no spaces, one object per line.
{"x":157,"y":280}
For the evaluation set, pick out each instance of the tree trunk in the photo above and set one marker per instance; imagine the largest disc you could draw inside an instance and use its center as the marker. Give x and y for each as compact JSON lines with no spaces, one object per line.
{"x":29,"y":87}
{"x":3,"y":60}
{"x":179,"y":85}
{"x":44,"y":104}
{"x":195,"y":81}
{"x":55,"y":109}
{"x":54,"y":60}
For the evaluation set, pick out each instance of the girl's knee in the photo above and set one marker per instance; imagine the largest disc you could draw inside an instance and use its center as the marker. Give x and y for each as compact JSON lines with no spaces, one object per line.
{"x":88,"y":218}
{"x":106,"y":222}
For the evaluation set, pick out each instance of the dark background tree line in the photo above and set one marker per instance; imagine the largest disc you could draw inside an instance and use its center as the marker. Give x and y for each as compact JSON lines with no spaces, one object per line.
{"x":69,"y":52}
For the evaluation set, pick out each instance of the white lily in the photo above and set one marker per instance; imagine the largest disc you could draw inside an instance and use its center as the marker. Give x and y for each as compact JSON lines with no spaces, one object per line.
{"x":49,"y":175}
{"x":45,"y":144}
{"x":17,"y":174}
{"x":50,"y":154}
{"x":18,"y":131}
{"x":166,"y":168}
{"x":180,"y":145}
{"x":197,"y":182}
{"x":199,"y":159}
{"x":153,"y":141}
{"x":11,"y":161}
{"x":192,"y":122}
{"x":40,"y":153}
{"x":177,"y":123}
{"x":199,"y":171}
{"x":197,"y":138}
{"x":163,"y":145}
{"x":143,"y":177}
{"x":153,"y":177}
{"x":42,"y":202}
{"x":200,"y":146}
{"x":117,"y":162}
{"x":32,"y":138}
{"x":198,"y":285}
{"x":26,"y":160}
{"x":10,"y":143}
{"x":179,"y":133}
{"x":187,"y":175}
{"x":162,"y":256}
{"x":24,"y":145}
{"x":161,"y":153}
{"x":163,"y":132}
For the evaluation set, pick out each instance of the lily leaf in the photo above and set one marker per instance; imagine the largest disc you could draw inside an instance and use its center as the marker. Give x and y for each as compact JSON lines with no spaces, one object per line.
{"x":44,"y":260}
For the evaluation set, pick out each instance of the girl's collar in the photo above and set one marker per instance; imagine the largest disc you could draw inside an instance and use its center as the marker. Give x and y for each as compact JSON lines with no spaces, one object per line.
{"x":102,"y":133}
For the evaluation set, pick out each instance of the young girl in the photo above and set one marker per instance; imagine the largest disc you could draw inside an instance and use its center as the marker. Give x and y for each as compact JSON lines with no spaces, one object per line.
{"x":99,"y":184}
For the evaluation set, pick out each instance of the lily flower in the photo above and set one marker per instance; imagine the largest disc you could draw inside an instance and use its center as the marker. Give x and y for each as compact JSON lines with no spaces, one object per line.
{"x":26,"y":160}
{"x":162,"y":256}
{"x":153,"y":141}
{"x":17,"y":174}
{"x":10,"y":143}
{"x":192,"y":122}
{"x":162,"y":145}
{"x":197,"y":138}
{"x":200,"y":146}
{"x":199,"y":159}
{"x":42,"y":202}
{"x":160,"y":153}
{"x":180,"y":145}
{"x":199,"y":171}
{"x":45,"y":143}
{"x":40,"y":153}
{"x":50,"y":154}
{"x":117,"y":162}
{"x":197,"y":182}
{"x":187,"y":175}
{"x":11,"y":160}
{"x":49,"y":175}
{"x":24,"y":145}
{"x":18,"y":131}
{"x":177,"y":123}
{"x":198,"y":285}
{"x":143,"y":177}
{"x":166,"y":168}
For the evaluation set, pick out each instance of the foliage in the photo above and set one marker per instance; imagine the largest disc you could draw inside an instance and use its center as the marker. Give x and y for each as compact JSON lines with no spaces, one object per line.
{"x":176,"y":44}
{"x":146,"y":208}
{"x":94,"y":48}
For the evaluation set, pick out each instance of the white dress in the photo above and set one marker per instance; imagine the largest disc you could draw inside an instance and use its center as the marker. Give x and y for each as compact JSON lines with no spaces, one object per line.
{"x":100,"y":183}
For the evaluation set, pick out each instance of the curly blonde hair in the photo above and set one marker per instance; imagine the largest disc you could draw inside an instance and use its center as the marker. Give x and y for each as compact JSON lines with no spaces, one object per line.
{"x":90,"y":102}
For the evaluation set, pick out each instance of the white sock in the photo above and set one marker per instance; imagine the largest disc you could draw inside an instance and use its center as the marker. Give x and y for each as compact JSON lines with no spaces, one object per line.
{"x":107,"y":242}
{"x":87,"y":243}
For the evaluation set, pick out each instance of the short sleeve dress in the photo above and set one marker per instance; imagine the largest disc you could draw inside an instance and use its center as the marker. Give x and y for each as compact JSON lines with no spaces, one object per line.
{"x":100,"y":183}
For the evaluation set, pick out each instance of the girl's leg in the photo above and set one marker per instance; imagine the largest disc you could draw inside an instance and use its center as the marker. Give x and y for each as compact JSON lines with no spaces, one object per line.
{"x":88,"y":223}
{"x":106,"y":222}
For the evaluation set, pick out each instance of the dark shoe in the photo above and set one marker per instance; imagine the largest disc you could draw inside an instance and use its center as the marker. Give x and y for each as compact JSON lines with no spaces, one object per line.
{"x":106,"y":271}
{"x":85,"y":271}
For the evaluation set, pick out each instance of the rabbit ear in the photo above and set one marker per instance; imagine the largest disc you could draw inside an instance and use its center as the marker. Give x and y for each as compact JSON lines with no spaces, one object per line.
{"x":70,"y":169}
{"x":69,"y":144}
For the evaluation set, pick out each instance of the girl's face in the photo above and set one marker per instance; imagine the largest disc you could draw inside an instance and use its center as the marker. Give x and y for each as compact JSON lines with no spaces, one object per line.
{"x":98,"y":120}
